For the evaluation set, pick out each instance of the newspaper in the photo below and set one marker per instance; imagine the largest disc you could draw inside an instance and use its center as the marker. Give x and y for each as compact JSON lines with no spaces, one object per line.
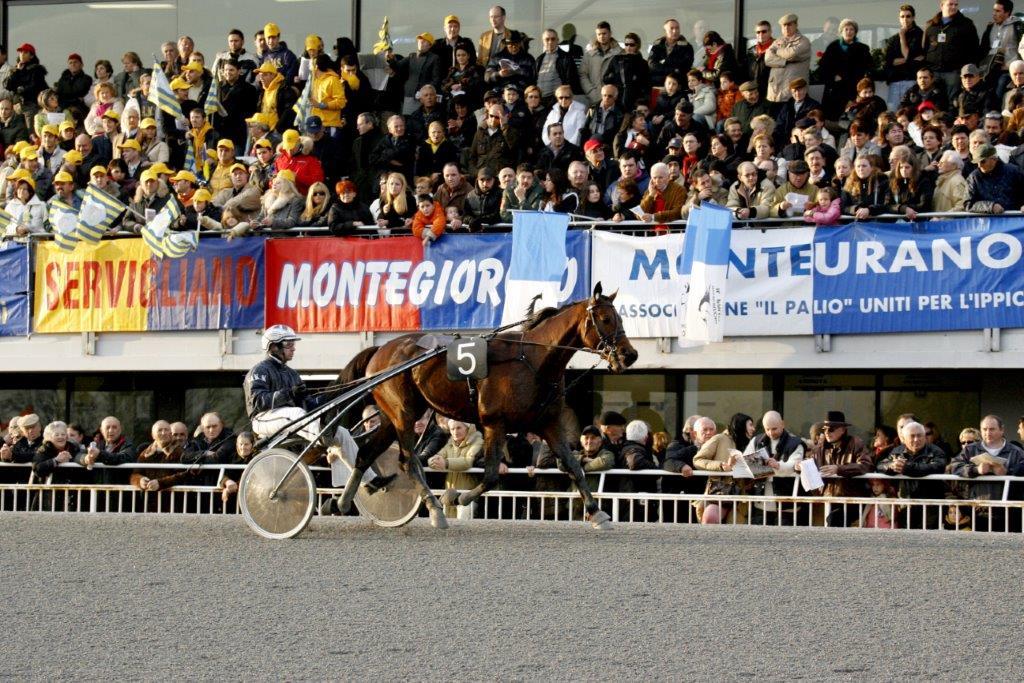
{"x":752,"y":466}
{"x":810,"y":477}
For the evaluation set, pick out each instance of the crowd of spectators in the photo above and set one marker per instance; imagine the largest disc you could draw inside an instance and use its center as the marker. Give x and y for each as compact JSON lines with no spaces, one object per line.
{"x":463,"y":132}
{"x":913,"y":448}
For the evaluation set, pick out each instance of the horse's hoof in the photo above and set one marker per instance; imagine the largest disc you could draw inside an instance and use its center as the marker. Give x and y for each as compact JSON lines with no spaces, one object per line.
{"x":379,"y":483}
{"x":437,"y":519}
{"x":343,"y":506}
{"x":329,"y":507}
{"x":450,"y":497}
{"x":466,"y":498}
{"x":601,"y":520}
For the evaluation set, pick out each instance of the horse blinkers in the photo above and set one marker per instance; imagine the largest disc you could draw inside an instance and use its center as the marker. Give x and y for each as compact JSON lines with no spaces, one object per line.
{"x":612,"y":344}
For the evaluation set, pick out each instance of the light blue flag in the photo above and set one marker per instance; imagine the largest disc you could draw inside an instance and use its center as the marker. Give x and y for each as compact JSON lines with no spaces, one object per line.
{"x":212,"y":105}
{"x":537,"y":264}
{"x":703,"y":268}
{"x":304,"y":106}
{"x":155,"y":231}
{"x":97,"y":214}
{"x":161,"y":95}
{"x":63,"y":220}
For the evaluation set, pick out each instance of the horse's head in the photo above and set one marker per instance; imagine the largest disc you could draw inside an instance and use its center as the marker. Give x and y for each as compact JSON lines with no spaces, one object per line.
{"x":602,"y":331}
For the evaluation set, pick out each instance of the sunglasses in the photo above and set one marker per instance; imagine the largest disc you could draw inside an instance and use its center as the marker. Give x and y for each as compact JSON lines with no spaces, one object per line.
{"x":564,"y":97}
{"x":967,"y":443}
{"x":319,"y":194}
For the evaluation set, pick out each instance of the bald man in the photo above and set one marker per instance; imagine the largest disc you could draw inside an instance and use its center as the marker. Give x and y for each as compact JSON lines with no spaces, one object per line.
{"x":784,"y":450}
{"x":679,"y":460}
{"x":162,"y":450}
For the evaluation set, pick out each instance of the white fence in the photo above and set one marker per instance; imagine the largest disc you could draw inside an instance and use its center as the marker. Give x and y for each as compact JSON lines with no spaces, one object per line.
{"x":555,"y":502}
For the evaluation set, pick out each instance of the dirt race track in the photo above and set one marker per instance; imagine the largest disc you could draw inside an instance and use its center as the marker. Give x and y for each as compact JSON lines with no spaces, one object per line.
{"x":204,"y":598}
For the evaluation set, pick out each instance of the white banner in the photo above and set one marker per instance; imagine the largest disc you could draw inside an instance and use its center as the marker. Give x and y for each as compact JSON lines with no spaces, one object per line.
{"x":769,"y":290}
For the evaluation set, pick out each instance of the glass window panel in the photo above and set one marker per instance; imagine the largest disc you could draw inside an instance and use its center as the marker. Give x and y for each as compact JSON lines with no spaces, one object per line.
{"x":106,"y":30}
{"x":93,"y":398}
{"x":722,"y":396}
{"x":229,"y":402}
{"x":651,"y":398}
{"x":808,"y":398}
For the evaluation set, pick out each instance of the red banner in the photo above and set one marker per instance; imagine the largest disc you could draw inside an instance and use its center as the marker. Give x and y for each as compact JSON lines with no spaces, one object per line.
{"x":341,"y":285}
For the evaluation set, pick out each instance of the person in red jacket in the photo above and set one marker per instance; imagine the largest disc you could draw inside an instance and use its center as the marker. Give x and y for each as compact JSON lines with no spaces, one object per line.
{"x":428,"y":223}
{"x":294,"y":154}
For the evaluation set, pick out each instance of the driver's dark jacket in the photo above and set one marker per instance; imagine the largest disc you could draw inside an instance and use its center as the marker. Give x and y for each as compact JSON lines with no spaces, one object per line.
{"x":268,"y":386}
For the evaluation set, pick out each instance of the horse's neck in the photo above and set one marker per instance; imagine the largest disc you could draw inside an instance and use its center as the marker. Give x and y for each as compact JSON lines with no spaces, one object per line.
{"x":561,"y":329}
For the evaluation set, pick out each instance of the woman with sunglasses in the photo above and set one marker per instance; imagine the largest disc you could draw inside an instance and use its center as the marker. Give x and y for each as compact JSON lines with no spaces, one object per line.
{"x":318,"y":205}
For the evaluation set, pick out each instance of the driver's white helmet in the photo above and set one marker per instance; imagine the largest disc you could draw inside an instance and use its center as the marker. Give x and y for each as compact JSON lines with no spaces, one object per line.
{"x":276,"y":334}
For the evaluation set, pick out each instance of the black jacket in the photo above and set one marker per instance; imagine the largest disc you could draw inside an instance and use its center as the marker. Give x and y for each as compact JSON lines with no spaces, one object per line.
{"x":566,"y":68}
{"x":202,"y":451}
{"x":341,"y":218}
{"x":24,"y":450}
{"x":432,"y":441}
{"x":947,"y":47}
{"x":1003,"y":186}
{"x":915,"y":57}
{"x":561,"y":159}
{"x":239,"y":101}
{"x":663,"y":62}
{"x":394,"y":155}
{"x":937,"y":96}
{"x":268,"y":385}
{"x":873,"y":196}
{"x":117,"y":453}
{"x":483,"y":209}
{"x":632,"y":76}
{"x":929,"y":460}
{"x":44,"y":462}
{"x":27,"y":82}
{"x":72,"y":88}
{"x":849,"y":66}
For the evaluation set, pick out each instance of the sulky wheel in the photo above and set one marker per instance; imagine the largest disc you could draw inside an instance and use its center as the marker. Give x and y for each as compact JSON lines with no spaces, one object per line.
{"x":288,"y":511}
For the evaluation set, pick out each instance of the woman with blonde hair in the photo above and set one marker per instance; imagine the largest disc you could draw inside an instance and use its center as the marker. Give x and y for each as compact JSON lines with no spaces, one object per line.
{"x":318,"y":204}
{"x":396,"y":203}
{"x":106,"y":100}
{"x":281,"y":206}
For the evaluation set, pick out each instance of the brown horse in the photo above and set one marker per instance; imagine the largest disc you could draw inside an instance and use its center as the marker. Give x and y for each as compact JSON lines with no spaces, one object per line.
{"x":524,"y":391}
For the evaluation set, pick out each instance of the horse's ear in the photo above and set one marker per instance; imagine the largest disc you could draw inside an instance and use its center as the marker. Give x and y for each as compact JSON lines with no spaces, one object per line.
{"x":611,"y":297}
{"x":598,"y":290}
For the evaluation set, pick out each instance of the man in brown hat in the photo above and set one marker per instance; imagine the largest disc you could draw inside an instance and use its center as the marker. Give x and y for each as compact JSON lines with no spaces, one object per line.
{"x":789,"y":57}
{"x":24,"y":449}
{"x":841,"y":455}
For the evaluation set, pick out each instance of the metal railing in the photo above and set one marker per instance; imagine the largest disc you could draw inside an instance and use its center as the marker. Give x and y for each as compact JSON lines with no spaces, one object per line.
{"x":781,"y":509}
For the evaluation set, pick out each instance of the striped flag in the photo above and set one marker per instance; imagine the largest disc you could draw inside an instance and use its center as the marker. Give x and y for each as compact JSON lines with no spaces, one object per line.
{"x":97,"y":214}
{"x":191,"y":164}
{"x":7,"y":223}
{"x":304,"y":106}
{"x":161,"y":95}
{"x":212,"y":105}
{"x":154,"y":231}
{"x":177,"y":244}
{"x":63,"y":219}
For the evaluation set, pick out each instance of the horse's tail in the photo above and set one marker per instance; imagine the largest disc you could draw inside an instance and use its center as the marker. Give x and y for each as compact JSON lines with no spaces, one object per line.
{"x":356,"y":368}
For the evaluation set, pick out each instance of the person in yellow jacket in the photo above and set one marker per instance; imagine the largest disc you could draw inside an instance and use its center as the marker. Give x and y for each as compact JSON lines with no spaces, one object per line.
{"x":458,"y":455}
{"x":276,"y":98}
{"x":328,"y":96}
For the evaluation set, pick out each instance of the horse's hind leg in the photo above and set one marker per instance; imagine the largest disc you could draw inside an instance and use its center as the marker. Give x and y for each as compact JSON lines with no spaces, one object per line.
{"x":415,"y":470}
{"x":365,"y":458}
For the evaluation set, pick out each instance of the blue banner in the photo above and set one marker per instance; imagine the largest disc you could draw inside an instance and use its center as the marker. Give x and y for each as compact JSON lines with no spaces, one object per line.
{"x":14,"y":289}
{"x":219,"y":286}
{"x":474,"y":269}
{"x":929,"y":276}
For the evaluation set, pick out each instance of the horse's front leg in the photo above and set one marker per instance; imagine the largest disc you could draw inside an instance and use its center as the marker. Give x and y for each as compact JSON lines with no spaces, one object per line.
{"x":555,"y":437}
{"x":494,"y":446}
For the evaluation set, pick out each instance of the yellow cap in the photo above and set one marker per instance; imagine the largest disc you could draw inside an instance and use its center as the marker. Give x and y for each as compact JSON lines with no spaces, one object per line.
{"x":18,"y":146}
{"x":225,"y":142}
{"x":73,"y":156}
{"x":179,"y":84}
{"x":290,"y":138}
{"x":202,"y":195}
{"x":52,"y":130}
{"x":450,"y":18}
{"x":97,"y":170}
{"x":192,"y":66}
{"x":271,"y":29}
{"x":238,"y":167}
{"x":160,"y":168}
{"x":130,"y":144}
{"x":149,"y":174}
{"x":427,"y":36}
{"x":263,"y":142}
{"x":112,"y":115}
{"x":21,"y":175}
{"x":147,"y":123}
{"x":29,"y":153}
{"x":63,"y":177}
{"x":260,"y":118}
{"x":185,"y":175}
{"x":267,"y":68}
{"x":287,"y":174}
{"x":313,"y":41}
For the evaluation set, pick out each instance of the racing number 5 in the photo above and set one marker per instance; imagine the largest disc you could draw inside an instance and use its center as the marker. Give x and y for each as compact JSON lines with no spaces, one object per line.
{"x":464,"y":351}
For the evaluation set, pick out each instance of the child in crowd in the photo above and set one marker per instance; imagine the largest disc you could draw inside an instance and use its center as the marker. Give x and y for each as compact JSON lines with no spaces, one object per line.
{"x":453,"y":217}
{"x":728,"y":93}
{"x":844,"y":167}
{"x":826,"y":211}
{"x":422,"y":185}
{"x":428,"y":223}
{"x":881,"y":516}
{"x":627,"y":196}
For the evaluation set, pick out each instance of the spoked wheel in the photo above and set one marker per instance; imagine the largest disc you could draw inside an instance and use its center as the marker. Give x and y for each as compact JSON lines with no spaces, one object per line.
{"x":286,"y":512}
{"x":399,"y":503}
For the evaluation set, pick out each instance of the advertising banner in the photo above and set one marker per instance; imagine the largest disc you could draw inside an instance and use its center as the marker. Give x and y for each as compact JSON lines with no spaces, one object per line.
{"x":351,"y":284}
{"x":117,"y":286}
{"x":14,"y":289}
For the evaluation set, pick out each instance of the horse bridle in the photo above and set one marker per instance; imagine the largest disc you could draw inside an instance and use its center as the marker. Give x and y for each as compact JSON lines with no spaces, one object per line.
{"x":606,"y":342}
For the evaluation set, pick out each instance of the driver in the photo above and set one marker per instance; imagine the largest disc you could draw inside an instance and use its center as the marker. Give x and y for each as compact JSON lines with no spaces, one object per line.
{"x":275,"y":395}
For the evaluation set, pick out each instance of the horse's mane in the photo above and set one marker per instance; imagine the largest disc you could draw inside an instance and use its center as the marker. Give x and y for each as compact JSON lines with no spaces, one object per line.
{"x":536,"y":318}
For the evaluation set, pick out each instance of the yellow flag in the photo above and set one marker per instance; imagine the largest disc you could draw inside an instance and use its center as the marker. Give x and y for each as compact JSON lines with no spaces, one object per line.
{"x":384,"y":44}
